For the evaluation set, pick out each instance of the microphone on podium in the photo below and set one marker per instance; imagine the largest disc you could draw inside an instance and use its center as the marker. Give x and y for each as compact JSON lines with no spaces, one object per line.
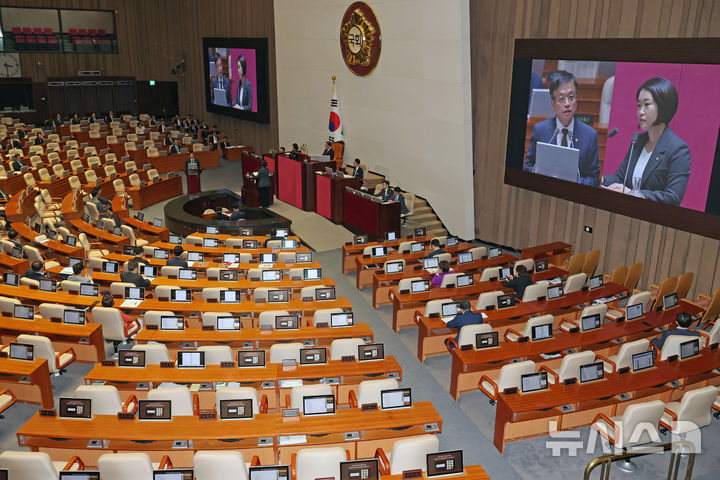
{"x":632,"y":146}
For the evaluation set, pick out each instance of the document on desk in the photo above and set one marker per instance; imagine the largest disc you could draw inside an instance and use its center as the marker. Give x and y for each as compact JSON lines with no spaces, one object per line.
{"x":130,"y":303}
{"x":265,"y":265}
{"x":66,"y":271}
{"x":291,"y":439}
{"x":232,"y":265}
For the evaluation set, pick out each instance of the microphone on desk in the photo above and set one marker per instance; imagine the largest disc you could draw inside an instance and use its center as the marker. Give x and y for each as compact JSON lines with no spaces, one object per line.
{"x":632,"y":146}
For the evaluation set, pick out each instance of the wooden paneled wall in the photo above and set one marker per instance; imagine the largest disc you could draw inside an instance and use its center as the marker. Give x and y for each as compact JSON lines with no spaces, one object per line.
{"x":152,"y":38}
{"x":519,"y":218}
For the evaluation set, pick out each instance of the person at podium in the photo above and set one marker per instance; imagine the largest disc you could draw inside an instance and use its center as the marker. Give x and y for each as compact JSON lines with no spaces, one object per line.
{"x":357,"y":169}
{"x":565,"y":131}
{"x":191,"y":161}
{"x":263,"y":182}
{"x":329,"y":150}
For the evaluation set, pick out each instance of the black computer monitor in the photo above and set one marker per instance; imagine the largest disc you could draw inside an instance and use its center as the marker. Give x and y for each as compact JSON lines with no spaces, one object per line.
{"x":486,"y":340}
{"x":554,"y":291}
{"x":344,"y":319}
{"x":360,"y":239}
{"x":444,"y":463}
{"x":230,"y":296}
{"x":395,"y":398}
{"x":312,"y":273}
{"x":371,"y":351}
{"x":271,"y":275}
{"x":533,"y":382}
{"x":181,"y":295}
{"x":420,"y":232}
{"x":642,"y":361}
{"x":110,"y":267}
{"x":541,"y":265}
{"x":74,"y":317}
{"x":390,"y":236}
{"x":157,"y":222}
{"x":431,"y":262}
{"x":465,"y":280}
{"x":21,"y":351}
{"x":287,"y":322}
{"x":77,"y":475}
{"x":418,"y":286}
{"x":268,"y":258}
{"x":12,"y":279}
{"x":505,"y":301}
{"x":195,"y":256}
{"x":591,"y":372}
{"x":210,"y":230}
{"x":590,"y":322}
{"x":89,"y":289}
{"x":319,"y":405}
{"x":174,"y":474}
{"x":251,"y":358}
{"x":303,"y":257}
{"x":281,"y":472}
{"x":250,"y":244}
{"x":131,"y":358}
{"x":416,"y":247}
{"x":313,"y":356}
{"x":278,"y":296}
{"x":236,"y":409}
{"x":228,"y":275}
{"x":325,"y":293}
{"x":154,"y":410}
{"x":228,"y":323}
{"x":595,"y":282}
{"x":75,"y":408}
{"x":210,"y":242}
{"x":379,"y":252}
{"x":690,"y":348}
{"x":231,"y":257}
{"x":161,"y":254}
{"x":172,"y":322}
{"x":134,"y":293}
{"x":634,"y":311}
{"x":670,"y":301}
{"x":175,"y":239}
{"x":289,"y":244}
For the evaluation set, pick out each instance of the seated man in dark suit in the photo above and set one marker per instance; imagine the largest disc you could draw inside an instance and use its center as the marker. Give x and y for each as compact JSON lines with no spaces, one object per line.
{"x":39,"y":139}
{"x":357,"y":169}
{"x":17,"y":163}
{"x":12,"y":238}
{"x":139,"y":251}
{"x":168,"y":141}
{"x":20,"y":132}
{"x":398,"y":197}
{"x":75,"y":120}
{"x":518,"y":282}
{"x":58,"y":121}
{"x":467,"y":317}
{"x":175,"y":148}
{"x":435,"y":248}
{"x":92,"y":118}
{"x":14,"y":143}
{"x":683,"y":320}
{"x":224,"y":143}
{"x":131,"y":275}
{"x":36,"y":271}
{"x":385,"y":193}
{"x":177,"y":260}
{"x":329,"y":151}
{"x":109,"y":116}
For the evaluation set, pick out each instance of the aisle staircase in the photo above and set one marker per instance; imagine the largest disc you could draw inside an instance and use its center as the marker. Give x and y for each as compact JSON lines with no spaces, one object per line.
{"x":424,"y":216}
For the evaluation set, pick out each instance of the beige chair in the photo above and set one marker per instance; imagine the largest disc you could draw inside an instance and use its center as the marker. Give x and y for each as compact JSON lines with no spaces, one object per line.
{"x":90,"y":177}
{"x":490,"y":273}
{"x":213,"y":464}
{"x":134,"y":180}
{"x":89,"y":151}
{"x":119,"y":186}
{"x":667,"y":286}
{"x":405,"y":283}
{"x":684,"y":284}
{"x":88,"y":247}
{"x":323,"y":315}
{"x":633,"y":276}
{"x":44,"y":174}
{"x":152,"y":152}
{"x":7,"y":400}
{"x":154,"y":353}
{"x":7,"y":306}
{"x":74,"y":183}
{"x":216,"y":354}
{"x":508,"y":377}
{"x":113,"y":326}
{"x":672,"y":345}
{"x":106,"y":399}
{"x":59,"y":170}
{"x":285,"y":351}
{"x":575,"y":282}
{"x":407,"y":454}
{"x":449,"y":280}
{"x":242,"y":393}
{"x":478,"y":252}
{"x":94,"y":161}
{"x":33,"y":465}
{"x":345,"y":347}
{"x":624,"y":356}
{"x":312,"y":463}
{"x":110,"y":170}
{"x":535,"y":291}
{"x":122,"y":466}
{"x":467,"y":334}
{"x":127,"y":231}
{"x":51,"y":311}
{"x":576,"y":263}
{"x":210,"y":318}
{"x":130,"y":167}
{"x":153,"y":175}
{"x":76,"y":166}
{"x":182,"y":402}
{"x":36,"y":161}
{"x":570,"y":366}
{"x":512,"y":335}
{"x":487,"y":299}
{"x":111,"y":139}
{"x":642,"y":297}
{"x":267,"y":318}
{"x":297,"y":394}
{"x":43,"y":348}
{"x":110,"y":158}
{"x":637,"y":425}
{"x":29,"y":179}
{"x":369,"y":391}
{"x":592,"y":258}
{"x":692,"y":412}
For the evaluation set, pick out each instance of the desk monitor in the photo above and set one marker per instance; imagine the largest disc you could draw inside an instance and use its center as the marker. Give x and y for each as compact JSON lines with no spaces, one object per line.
{"x":154,"y":410}
{"x":17,"y":252}
{"x":395,"y":398}
{"x":89,"y":290}
{"x":269,"y":473}
{"x":47,"y":285}
{"x":172,"y":322}
{"x":175,"y":239}
{"x":360,"y":239}
{"x":360,"y":470}
{"x":634,"y":311}
{"x":451,"y":241}
{"x":268,"y":258}
{"x":289,"y":244}
{"x":465,"y":280}
{"x":420,"y":232}
{"x":110,"y":267}
{"x":371,"y":351}
{"x":303,"y":257}
{"x":541,"y":265}
{"x":78,"y":475}
{"x":642,"y":361}
{"x":271,"y":275}
{"x":394,"y":267}
{"x":506,"y":301}
{"x":251,"y":358}
{"x":344,"y":319}
{"x":416,"y":247}
{"x":590,"y":322}
{"x":228,"y":275}
{"x":117,"y":231}
{"x":390,"y":236}
{"x":670,"y":301}
{"x":541,"y":332}
{"x":24,"y":312}
{"x":231,"y":257}
{"x":129,"y":250}
{"x":191,"y":359}
{"x":379,"y":252}
{"x":418,"y":286}
{"x":140,"y":216}
{"x":230,"y":296}
{"x":504,"y":272}
{"x":210,"y":242}
{"x":157,"y":222}
{"x":149,"y":271}
{"x":287,"y":322}
{"x":250,"y":244}
{"x":12,"y":279}
{"x":236,"y":409}
{"x":690,"y":348}
{"x":533,"y":382}
{"x":554,"y":291}
{"x":595,"y":282}
{"x":313,"y":356}
{"x":444,"y":463}
{"x":464,"y":257}
{"x":75,"y":408}
{"x":51,"y":234}
{"x":181,"y":295}
{"x":278,"y":296}
{"x":21,"y":351}
{"x":281,"y":232}
{"x":187,"y":274}
{"x":100,"y":226}
{"x":486,"y":340}
{"x":591,"y":372}
{"x":312,"y":273}
{"x":228,"y":323}
{"x":494,"y":252}
{"x":74,"y":317}
{"x":161,"y":254}
{"x":74,"y":260}
{"x":131,"y":358}
{"x":210,"y":230}
{"x":195,"y":256}
{"x":174,"y":474}
{"x":325,"y":293}
{"x":431,"y":262}
{"x":449,"y":309}
{"x":319,"y":405}
{"x":134,"y":293}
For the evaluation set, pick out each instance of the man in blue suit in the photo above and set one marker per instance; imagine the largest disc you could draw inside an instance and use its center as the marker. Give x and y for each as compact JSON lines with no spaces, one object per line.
{"x":467,"y":317}
{"x":221,"y":82}
{"x":564,"y":130}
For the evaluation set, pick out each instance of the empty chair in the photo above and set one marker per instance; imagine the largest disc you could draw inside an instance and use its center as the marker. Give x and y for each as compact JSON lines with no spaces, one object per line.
{"x":42,"y":348}
{"x":622,"y":431}
{"x":211,"y":294}
{"x":130,"y":146}
{"x":214,"y":464}
{"x":117,"y":289}
{"x":667,"y":286}
{"x":50,"y":311}
{"x":154,"y":353}
{"x":130,"y":167}
{"x":90,"y":177}
{"x":74,"y":183}
{"x":487,"y":299}
{"x":624,"y":356}
{"x":36,"y":161}
{"x":490,"y":273}
{"x":407,"y":454}
{"x":169,"y":271}
{"x":633,"y":276}
{"x":122,"y":466}
{"x":298,"y":393}
{"x":70,"y":286}
{"x":182,"y":402}
{"x":58,"y":169}
{"x":7,"y":400}
{"x":618,"y":276}
{"x":43,"y":174}
{"x":643,"y":298}
{"x":267,"y":318}
{"x":31,"y":465}
{"x":119,"y":186}
{"x":94,"y":161}
{"x":449,"y":280}
{"x":478,"y":252}
{"x":134,"y":180}
{"x":592,"y":258}
{"x":215,"y":354}
{"x":273,"y":244}
{"x":404,"y":247}
{"x":153,"y":317}
{"x":570,"y":366}
{"x":435,"y":306}
{"x":345,"y":347}
{"x":312,"y":463}
{"x":88,"y":247}
{"x":322,"y":315}
{"x":691,"y":412}
{"x":534,"y":292}
{"x":405,"y":283}
{"x":153,"y":174}
{"x":512,"y":335}
{"x":576,"y":263}
{"x":110,"y":170}
{"x":575,"y":282}
{"x":127,"y":231}
{"x":197,"y":147}
{"x":7,"y":305}
{"x":684,"y":284}
{"x":29,"y":179}
{"x":254,"y":274}
{"x":285,"y":351}
{"x":369,"y":391}
{"x":210,"y":318}
{"x":509,"y":376}
{"x":105,"y":399}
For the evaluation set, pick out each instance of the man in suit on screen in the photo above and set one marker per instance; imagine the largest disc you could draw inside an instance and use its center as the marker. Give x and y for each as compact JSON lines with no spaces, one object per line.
{"x":220,"y":82}
{"x":566,"y":131}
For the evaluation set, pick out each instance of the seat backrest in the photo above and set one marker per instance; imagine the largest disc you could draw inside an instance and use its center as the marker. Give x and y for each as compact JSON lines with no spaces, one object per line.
{"x":134,"y":179}
{"x":478,"y":252}
{"x":435,"y":306}
{"x":152,"y":317}
{"x":70,"y":286}
{"x":74,"y":182}
{"x":312,"y":463}
{"x":267,"y":318}
{"x":118,"y":185}
{"x":592,"y":258}
{"x":633,"y":276}
{"x":528,"y":263}
{"x":117,"y":289}
{"x":181,"y":403}
{"x":511,"y":373}
{"x":47,"y":310}
{"x":169,"y":271}
{"x":260,"y":293}
{"x":213,"y":464}
{"x":684,"y":284}
{"x":90,"y":176}
{"x":627,"y":350}
{"x":575,"y":282}
{"x":490,"y":272}
{"x":468,"y":332}
{"x":29,"y":179}
{"x":571,"y":363}
{"x":405,"y":283}
{"x":121,"y":466}
{"x":153,"y":174}
{"x":672,"y":345}
{"x":648,"y":414}
{"x":576,"y":263}
{"x":533,"y":292}
{"x":537,"y":321}
{"x":322,"y":315}
{"x":215,"y":354}
{"x":696,"y":406}
{"x":404,"y":247}
{"x":58,"y":169}
{"x":111,"y":321}
{"x":369,"y":390}
{"x":640,"y":297}
{"x":211,"y":293}
{"x":487,"y":299}
{"x":163,"y":291}
{"x":154,"y":353}
{"x":237,"y":393}
{"x":619,"y":275}
{"x":210,"y":318}
{"x":42,"y":348}
{"x":449,"y":279}
{"x":285,"y":351}
{"x":298,"y":393}
{"x":345,"y":347}
{"x":28,"y":465}
{"x":411,"y":453}
{"x":667,"y":286}
{"x":105,"y":399}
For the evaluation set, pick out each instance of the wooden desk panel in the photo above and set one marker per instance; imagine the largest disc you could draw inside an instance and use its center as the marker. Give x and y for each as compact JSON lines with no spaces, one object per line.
{"x":28,"y":380}
{"x":555,"y":252}
{"x":17,"y":265}
{"x":350,"y":251}
{"x":58,"y":250}
{"x":176,"y":162}
{"x":12,"y":184}
{"x":155,"y":192}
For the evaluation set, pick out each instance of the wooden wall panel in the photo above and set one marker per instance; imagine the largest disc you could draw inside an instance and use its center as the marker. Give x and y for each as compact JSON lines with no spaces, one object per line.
{"x":512,"y":216}
{"x":152,"y":38}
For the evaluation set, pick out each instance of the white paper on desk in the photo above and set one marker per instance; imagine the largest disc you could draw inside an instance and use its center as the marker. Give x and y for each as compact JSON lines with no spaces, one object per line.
{"x":232,"y":265}
{"x":66,"y":271}
{"x":130,"y":303}
{"x":548,"y":356}
{"x":41,"y":239}
{"x":291,"y":439}
{"x":190,"y":264}
{"x":265,"y":265}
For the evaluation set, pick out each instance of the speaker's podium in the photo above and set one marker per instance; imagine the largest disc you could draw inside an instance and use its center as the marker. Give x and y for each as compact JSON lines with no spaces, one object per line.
{"x":329,"y":188}
{"x":192,"y":172}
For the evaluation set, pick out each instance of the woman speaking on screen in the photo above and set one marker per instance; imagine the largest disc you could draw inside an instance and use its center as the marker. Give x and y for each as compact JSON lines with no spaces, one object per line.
{"x":657,"y":165}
